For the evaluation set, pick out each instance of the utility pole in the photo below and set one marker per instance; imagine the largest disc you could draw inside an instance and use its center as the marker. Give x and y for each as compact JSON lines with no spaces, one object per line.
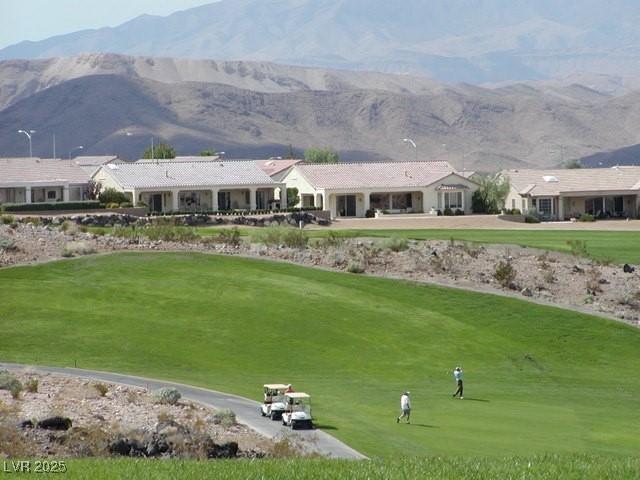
{"x":54,"y":146}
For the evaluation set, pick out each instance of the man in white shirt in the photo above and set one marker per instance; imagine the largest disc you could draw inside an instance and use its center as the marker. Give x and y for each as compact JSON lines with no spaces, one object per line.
{"x":457,"y":374}
{"x":405,"y":406}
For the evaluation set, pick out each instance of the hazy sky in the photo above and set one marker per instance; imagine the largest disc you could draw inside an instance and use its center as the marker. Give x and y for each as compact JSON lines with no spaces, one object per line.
{"x":38,"y":19}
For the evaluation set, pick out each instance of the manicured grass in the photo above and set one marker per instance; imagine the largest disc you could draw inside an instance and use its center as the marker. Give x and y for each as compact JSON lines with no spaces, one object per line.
{"x":549,"y":467}
{"x":612,"y":246}
{"x":538,"y":379}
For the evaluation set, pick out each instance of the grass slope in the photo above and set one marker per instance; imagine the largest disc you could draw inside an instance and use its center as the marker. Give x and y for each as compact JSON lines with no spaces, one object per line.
{"x":538,"y":379}
{"x":531,"y":468}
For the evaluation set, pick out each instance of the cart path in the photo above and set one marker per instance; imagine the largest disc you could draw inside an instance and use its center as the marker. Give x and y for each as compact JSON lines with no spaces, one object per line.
{"x":247,"y":411}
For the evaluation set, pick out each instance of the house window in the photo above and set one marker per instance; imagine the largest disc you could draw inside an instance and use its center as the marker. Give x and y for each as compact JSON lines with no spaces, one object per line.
{"x":545,"y":207}
{"x":401,"y":201}
{"x":513,"y":203}
{"x":524,"y":205}
{"x":453,"y":200}
{"x":379,"y":201}
{"x":51,"y":195}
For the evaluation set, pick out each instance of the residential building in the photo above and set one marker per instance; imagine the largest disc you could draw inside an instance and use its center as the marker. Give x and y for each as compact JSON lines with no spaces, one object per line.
{"x":36,"y":180}
{"x":352,"y":189}
{"x":568,"y":193}
{"x":277,"y":168}
{"x":168,"y":186}
{"x":91,"y":164}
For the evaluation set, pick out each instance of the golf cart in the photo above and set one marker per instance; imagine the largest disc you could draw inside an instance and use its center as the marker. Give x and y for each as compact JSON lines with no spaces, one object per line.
{"x":273,"y":402}
{"x":297,"y":410}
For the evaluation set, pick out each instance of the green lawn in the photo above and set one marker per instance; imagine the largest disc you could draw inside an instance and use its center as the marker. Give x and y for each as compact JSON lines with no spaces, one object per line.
{"x":574,"y":467}
{"x":538,"y":379}
{"x":614,"y":246}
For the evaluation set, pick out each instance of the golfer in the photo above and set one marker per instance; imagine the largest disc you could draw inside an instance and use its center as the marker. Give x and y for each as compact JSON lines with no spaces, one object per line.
{"x":405,"y":406}
{"x":457,"y":374}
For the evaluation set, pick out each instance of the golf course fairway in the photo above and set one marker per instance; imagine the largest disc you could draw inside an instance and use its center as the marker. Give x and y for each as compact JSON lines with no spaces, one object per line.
{"x":537,"y":379}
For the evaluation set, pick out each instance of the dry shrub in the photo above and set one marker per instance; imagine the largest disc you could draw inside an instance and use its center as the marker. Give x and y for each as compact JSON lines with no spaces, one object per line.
{"x":87,"y":441}
{"x":31,"y":385}
{"x":226,"y":418}
{"x":285,"y":448}
{"x":101,"y":388}
{"x":593,"y":281}
{"x":73,"y":249}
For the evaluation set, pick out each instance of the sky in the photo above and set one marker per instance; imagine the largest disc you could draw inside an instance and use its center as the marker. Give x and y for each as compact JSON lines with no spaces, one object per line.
{"x":40,"y":19}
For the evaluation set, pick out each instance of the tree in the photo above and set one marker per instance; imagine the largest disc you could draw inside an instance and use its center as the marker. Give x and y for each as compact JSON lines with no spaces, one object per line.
{"x":572,"y":164}
{"x":208,"y":153}
{"x":92,"y":190}
{"x":111,"y":195}
{"x":321,"y":155}
{"x":491,"y":194}
{"x":162,"y":150}
{"x":292,"y":197}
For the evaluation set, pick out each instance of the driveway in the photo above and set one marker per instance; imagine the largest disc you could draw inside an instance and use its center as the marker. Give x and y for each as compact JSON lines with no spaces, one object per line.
{"x":247,"y":411}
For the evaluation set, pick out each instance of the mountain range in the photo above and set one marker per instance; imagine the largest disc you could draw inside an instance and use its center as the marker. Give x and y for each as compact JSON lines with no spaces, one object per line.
{"x":472,"y":41}
{"x":114,"y":104}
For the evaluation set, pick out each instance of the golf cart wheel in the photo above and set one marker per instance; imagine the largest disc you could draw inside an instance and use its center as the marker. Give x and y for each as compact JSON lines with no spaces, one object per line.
{"x":294,"y":425}
{"x":262,"y":413}
{"x":274,"y":415}
{"x":284,"y":422}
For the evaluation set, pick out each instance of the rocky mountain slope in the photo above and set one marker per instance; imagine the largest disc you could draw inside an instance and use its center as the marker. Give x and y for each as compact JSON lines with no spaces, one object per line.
{"x":115,"y":104}
{"x":451,"y":40}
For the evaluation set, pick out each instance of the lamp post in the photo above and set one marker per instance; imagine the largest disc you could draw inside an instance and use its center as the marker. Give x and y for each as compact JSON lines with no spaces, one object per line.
{"x":413,"y":144}
{"x":28,"y":134}
{"x":79,"y":147}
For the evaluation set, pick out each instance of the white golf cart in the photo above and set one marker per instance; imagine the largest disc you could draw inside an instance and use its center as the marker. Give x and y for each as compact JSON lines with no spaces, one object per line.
{"x":273,"y":401}
{"x":297,"y":410}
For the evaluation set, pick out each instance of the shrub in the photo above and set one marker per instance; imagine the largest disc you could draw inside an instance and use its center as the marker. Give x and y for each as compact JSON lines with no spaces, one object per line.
{"x":370,"y":213}
{"x":333,"y":239}
{"x":8,"y":219}
{"x":167,"y":396}
{"x":295,"y":238}
{"x":355,"y":266}
{"x":226,"y":418}
{"x":459,"y":212}
{"x":111,"y":195}
{"x":275,"y":236}
{"x":72,"y":249}
{"x":505,"y":274}
{"x":586,"y":217}
{"x":9,"y":382}
{"x":69,"y":227}
{"x":531,"y":219}
{"x":229,"y":236}
{"x":112,"y":205}
{"x":37,"y":207}
{"x":31,"y":385}
{"x":169,"y":233}
{"x":395,"y":244}
{"x":101,"y":388}
{"x":8,"y":245}
{"x":447,"y":212}
{"x":578,"y":247}
{"x":126,"y":205}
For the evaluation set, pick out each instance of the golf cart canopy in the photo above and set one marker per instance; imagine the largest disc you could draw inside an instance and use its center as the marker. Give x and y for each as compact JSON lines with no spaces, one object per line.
{"x":276,"y":386}
{"x":297,"y":395}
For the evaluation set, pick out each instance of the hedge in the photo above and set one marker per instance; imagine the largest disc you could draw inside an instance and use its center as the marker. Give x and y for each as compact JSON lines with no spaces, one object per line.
{"x":37,"y":207}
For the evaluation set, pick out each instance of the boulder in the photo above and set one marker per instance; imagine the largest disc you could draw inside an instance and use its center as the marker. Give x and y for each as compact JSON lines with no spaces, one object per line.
{"x":55,"y":423}
{"x":628,"y":268}
{"x":225,"y":450}
{"x":526,"y":291}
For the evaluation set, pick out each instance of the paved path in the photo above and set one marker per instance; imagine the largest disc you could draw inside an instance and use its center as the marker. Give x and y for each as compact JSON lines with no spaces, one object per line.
{"x":246,"y":410}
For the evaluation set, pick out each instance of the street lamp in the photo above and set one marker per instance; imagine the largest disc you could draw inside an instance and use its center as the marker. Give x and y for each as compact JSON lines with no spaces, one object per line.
{"x":413,"y":144}
{"x":79,"y":147}
{"x":28,"y":134}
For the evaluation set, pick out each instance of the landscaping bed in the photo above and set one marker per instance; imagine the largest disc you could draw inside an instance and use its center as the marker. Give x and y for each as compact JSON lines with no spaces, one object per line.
{"x":68,"y":417}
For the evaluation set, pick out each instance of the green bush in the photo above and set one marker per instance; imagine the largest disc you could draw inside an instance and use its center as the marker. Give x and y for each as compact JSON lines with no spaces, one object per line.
{"x":8,"y":245}
{"x":226,"y":418}
{"x":8,"y":219}
{"x":112,"y":205}
{"x":111,"y":195}
{"x":276,"y":236}
{"x":505,"y":274}
{"x":32,"y":385}
{"x":459,"y":212}
{"x":355,"y":267}
{"x":371,"y":213}
{"x":10,"y":382}
{"x":395,"y":244}
{"x":126,"y":205}
{"x":447,"y":212}
{"x":587,"y":217}
{"x":578,"y":247}
{"x":170,"y":233}
{"x":37,"y":207}
{"x":229,"y":236}
{"x":167,"y":395}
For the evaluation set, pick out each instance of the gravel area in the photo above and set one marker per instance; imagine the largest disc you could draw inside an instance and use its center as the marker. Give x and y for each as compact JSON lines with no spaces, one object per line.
{"x":101,"y":412}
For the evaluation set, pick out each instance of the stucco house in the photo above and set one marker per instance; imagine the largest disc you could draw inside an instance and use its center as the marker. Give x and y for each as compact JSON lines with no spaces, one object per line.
{"x":37,"y":180}
{"x":92,"y":164}
{"x":567,"y":193}
{"x":277,"y":168}
{"x":192,"y":186}
{"x":352,"y":189}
